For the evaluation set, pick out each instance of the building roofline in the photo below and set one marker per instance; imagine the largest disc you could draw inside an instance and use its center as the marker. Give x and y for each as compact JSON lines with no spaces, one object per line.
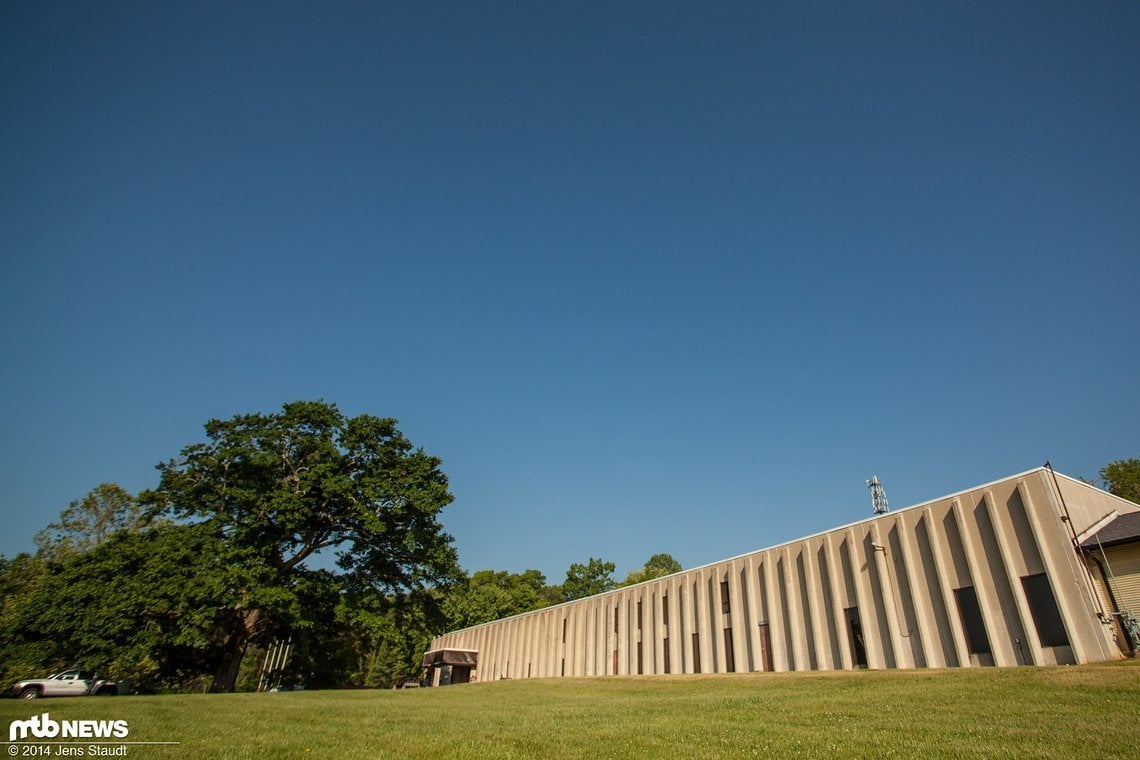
{"x":461,"y":649}
{"x":872,"y":518}
{"x":837,"y":528}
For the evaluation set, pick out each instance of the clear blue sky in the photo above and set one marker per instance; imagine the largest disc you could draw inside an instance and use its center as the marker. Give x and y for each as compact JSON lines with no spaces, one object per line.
{"x":649,"y":277}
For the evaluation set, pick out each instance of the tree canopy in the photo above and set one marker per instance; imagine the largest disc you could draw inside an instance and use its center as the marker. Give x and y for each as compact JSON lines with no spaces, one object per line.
{"x":657,"y":566}
{"x":285,"y":486}
{"x":488,"y":595}
{"x":594,"y":577}
{"x":1122,"y":478}
{"x":146,"y":606}
{"x":88,"y":522}
{"x":282,"y":488}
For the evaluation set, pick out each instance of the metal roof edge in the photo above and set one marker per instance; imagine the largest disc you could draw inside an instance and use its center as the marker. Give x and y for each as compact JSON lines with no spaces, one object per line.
{"x":964,"y":491}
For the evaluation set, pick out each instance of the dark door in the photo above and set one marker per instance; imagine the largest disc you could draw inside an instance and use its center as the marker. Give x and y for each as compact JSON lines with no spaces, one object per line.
{"x":765,"y":648}
{"x":855,"y":631}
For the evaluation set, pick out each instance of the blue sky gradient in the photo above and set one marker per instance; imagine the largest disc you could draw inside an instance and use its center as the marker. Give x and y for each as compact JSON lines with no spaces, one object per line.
{"x":649,"y":277}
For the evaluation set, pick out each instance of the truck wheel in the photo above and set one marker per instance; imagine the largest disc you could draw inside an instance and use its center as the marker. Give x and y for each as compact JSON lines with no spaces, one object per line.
{"x":107,"y":691}
{"x":30,"y":693}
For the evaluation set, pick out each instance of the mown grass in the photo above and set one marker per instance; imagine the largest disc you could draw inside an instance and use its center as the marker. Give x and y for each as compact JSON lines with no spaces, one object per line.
{"x":1091,"y":711}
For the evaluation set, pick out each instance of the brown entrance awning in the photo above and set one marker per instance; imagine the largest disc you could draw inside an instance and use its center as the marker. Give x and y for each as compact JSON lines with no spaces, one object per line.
{"x":465,"y":657}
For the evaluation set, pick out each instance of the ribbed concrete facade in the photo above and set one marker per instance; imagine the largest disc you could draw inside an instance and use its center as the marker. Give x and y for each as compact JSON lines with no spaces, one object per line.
{"x":988,"y":576}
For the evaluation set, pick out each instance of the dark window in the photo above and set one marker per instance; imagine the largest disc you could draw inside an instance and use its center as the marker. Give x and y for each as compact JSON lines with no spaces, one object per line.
{"x":564,"y":621}
{"x":665,"y":610}
{"x":639,"y":614}
{"x":855,"y":630}
{"x":729,"y":658}
{"x":665,"y":653}
{"x":724,"y":605}
{"x":1043,"y":607}
{"x":696,"y":653}
{"x":563,"y":666}
{"x":615,"y":661}
{"x":639,"y":668}
{"x":615,"y":620}
{"x":977,"y":642}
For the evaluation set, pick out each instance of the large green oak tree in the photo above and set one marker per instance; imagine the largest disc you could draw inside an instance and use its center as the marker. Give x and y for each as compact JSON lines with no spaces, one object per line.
{"x":301,"y":489}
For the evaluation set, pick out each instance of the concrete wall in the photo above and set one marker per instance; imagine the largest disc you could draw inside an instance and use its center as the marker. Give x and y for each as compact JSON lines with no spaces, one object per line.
{"x":988,"y":576}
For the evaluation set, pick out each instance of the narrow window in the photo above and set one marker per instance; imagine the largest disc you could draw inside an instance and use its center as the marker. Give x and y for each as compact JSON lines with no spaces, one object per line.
{"x":639,"y":614}
{"x":724,"y":605}
{"x":615,"y":661}
{"x":696,"y":653}
{"x":564,"y":621}
{"x":563,"y":666}
{"x":977,"y":642}
{"x":639,"y":669}
{"x":615,"y":620}
{"x":665,"y":654}
{"x":729,"y":657}
{"x":665,"y":609}
{"x":1043,"y":608}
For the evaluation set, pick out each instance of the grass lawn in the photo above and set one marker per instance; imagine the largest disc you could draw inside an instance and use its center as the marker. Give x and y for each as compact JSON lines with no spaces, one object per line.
{"x":1090,"y":711}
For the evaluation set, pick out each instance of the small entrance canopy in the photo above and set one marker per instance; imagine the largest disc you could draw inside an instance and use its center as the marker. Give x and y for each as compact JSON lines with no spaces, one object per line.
{"x":448,"y":666}
{"x":463,"y":657}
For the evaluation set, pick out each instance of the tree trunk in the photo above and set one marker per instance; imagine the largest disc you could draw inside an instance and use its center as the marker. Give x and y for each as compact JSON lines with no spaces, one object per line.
{"x":233,"y":652}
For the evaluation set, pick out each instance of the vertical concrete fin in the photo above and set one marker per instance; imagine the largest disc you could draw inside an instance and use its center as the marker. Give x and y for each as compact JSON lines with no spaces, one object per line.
{"x":835,"y":575}
{"x":579,"y":630}
{"x":602,"y":656}
{"x":717,"y":615}
{"x":999,"y":639}
{"x":753,"y":605}
{"x":702,"y":601}
{"x":661,"y":628}
{"x":919,"y":596}
{"x":949,"y":603}
{"x":629,"y":633}
{"x":675,"y":632}
{"x":1003,"y":535}
{"x":865,"y":602}
{"x":685,"y":618}
{"x":821,"y":640}
{"x":792,"y":599}
{"x":738,"y":618}
{"x":1076,"y":600}
{"x":886,"y":594}
{"x":774,"y":609}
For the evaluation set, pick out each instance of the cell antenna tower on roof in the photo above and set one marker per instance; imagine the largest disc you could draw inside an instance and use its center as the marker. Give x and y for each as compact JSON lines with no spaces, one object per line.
{"x":878,"y":496}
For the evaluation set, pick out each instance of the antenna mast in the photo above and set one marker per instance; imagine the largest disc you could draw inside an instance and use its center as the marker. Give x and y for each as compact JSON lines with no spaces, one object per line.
{"x":878,"y":496}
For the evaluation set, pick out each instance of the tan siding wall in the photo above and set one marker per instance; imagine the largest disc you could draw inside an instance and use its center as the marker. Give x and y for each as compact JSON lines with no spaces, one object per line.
{"x":901,"y":571}
{"x":1125,"y":563}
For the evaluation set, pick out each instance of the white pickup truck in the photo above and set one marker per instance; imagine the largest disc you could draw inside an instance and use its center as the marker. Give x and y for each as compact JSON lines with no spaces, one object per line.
{"x":69,"y":683}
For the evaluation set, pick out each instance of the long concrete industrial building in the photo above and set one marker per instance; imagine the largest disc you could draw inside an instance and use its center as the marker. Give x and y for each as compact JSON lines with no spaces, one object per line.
{"x":1009,"y":573}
